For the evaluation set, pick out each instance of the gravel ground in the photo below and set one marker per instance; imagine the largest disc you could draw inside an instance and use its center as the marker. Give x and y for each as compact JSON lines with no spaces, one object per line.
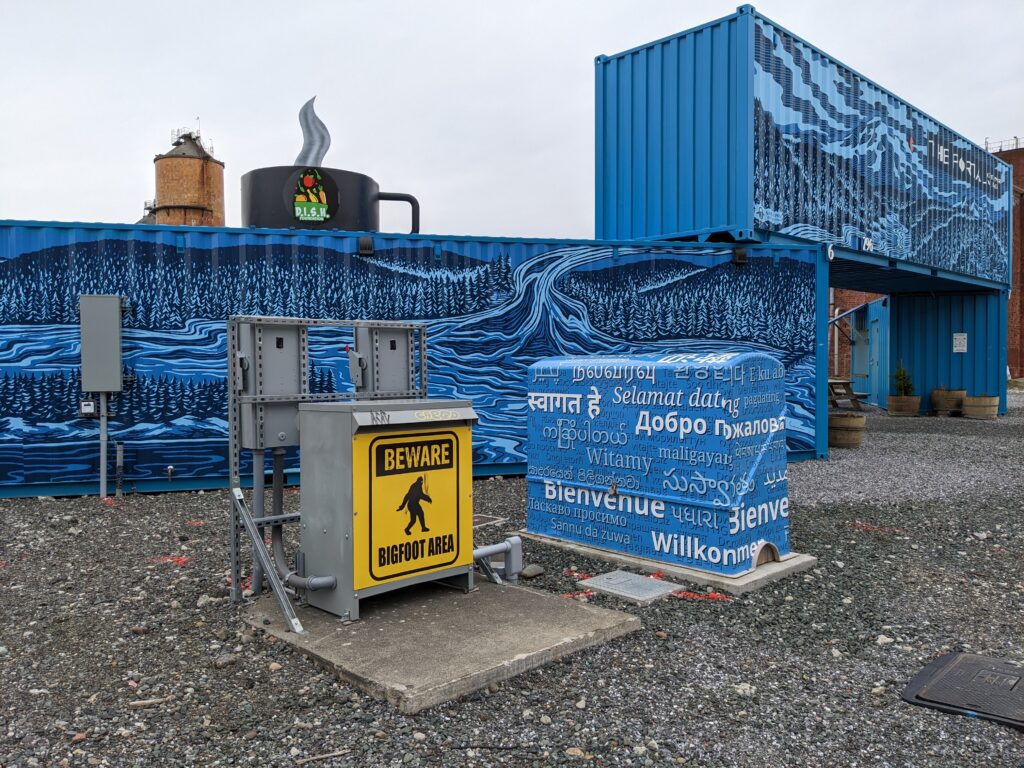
{"x":921,"y":548}
{"x":925,"y":459}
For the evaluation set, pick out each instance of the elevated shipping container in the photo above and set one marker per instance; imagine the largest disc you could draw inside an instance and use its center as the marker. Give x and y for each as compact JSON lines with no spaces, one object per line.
{"x":493,"y":307}
{"x":740,"y":129}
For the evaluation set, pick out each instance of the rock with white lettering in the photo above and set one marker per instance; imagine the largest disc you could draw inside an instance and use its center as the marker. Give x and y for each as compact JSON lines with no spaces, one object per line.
{"x":679,"y":458}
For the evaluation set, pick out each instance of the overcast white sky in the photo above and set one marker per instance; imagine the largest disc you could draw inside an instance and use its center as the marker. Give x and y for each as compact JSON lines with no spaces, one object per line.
{"x":483,"y":110}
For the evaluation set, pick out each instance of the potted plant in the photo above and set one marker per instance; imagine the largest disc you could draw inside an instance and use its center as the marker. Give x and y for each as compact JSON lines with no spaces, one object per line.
{"x":904,"y":402}
{"x":946,"y":402}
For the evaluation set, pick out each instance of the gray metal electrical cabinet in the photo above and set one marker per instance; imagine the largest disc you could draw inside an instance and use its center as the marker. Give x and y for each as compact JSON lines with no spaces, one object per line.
{"x":386,"y":357}
{"x":273,"y":362}
{"x":100,"y":323}
{"x":386,"y":496}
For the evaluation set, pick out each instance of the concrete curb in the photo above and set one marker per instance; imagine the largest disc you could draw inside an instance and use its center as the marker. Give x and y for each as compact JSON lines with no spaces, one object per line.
{"x":735,"y":585}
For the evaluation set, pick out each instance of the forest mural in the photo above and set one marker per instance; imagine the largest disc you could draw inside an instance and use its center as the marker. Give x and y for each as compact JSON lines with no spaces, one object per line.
{"x":492,"y":308}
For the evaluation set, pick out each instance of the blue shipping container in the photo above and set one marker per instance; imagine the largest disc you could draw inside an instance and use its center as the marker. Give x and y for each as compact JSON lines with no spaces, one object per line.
{"x":943,"y":341}
{"x":741,"y":127}
{"x":493,"y":307}
{"x":950,"y":341}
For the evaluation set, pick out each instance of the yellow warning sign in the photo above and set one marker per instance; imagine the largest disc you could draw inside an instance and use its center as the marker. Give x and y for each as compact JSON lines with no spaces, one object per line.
{"x":412,"y":504}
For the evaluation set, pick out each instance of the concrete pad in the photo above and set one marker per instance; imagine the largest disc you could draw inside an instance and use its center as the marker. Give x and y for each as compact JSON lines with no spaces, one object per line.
{"x":428,"y":644}
{"x":735,"y":585}
{"x":630,"y":586}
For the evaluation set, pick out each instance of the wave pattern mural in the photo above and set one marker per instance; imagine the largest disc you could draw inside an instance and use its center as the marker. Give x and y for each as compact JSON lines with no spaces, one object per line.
{"x":492,"y":308}
{"x":839,"y":160}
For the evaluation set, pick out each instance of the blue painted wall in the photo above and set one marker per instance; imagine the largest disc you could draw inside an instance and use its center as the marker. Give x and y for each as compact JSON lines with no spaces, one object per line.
{"x":493,"y":307}
{"x":922,"y":328}
{"x":739,"y":126}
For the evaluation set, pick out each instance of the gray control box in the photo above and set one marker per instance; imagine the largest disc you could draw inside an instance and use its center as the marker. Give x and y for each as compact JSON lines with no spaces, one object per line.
{"x":274,"y":364}
{"x":386,"y":497}
{"x":100,"y":323}
{"x":385,"y":357}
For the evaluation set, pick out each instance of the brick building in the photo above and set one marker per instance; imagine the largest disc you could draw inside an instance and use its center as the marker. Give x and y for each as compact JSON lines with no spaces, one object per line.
{"x":1014,"y":155}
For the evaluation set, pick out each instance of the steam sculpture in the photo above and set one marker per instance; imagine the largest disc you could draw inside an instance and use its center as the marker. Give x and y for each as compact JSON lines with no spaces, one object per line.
{"x":307,"y":195}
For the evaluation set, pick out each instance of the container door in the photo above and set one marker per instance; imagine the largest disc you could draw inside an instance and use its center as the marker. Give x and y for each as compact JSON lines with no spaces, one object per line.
{"x":875,"y":381}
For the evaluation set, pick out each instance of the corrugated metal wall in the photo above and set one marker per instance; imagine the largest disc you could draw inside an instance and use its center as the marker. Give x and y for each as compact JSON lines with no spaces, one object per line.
{"x":675,"y":134}
{"x":839,"y":159}
{"x":741,"y":127}
{"x":493,"y":306}
{"x":922,"y":328}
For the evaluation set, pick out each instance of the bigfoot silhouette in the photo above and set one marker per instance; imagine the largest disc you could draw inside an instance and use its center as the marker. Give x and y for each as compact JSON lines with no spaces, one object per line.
{"x":412,"y":500}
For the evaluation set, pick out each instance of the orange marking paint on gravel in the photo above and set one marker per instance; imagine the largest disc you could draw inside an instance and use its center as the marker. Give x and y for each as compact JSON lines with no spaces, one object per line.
{"x":582,"y":593}
{"x":194,"y":523}
{"x":172,"y":559}
{"x":578,"y":575}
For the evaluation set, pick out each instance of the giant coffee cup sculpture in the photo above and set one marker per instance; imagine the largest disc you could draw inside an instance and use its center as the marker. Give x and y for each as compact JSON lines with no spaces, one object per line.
{"x":309,"y":196}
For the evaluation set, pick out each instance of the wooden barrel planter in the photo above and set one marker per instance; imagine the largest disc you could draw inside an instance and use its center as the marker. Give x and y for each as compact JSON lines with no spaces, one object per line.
{"x":946,"y":402}
{"x":846,"y":430}
{"x":904,"y":405}
{"x":982,"y":407}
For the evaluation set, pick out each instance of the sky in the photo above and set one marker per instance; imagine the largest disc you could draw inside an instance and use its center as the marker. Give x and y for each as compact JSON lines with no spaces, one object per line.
{"x":482,"y":110}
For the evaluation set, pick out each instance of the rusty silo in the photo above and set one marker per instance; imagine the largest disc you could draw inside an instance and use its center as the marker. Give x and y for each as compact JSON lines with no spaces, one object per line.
{"x":189,"y":185}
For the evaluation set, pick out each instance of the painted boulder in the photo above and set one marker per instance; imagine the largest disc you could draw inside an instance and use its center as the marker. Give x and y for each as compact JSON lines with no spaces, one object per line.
{"x":678,"y":458}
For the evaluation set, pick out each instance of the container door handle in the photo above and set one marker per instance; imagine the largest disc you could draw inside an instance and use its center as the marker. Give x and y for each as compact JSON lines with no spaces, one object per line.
{"x":401,"y":197}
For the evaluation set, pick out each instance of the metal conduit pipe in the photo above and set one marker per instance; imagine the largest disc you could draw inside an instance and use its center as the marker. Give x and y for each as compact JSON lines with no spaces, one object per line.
{"x":290,"y":578}
{"x":277,"y":486}
{"x":512,"y":548}
{"x":257,"y":512}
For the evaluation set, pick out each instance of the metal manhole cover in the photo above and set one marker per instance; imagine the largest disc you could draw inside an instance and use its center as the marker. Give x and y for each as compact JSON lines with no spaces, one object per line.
{"x":629,"y":586}
{"x":972,"y":685}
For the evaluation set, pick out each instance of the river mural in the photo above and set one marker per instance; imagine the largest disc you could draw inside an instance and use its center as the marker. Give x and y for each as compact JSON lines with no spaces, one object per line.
{"x":492,"y":307}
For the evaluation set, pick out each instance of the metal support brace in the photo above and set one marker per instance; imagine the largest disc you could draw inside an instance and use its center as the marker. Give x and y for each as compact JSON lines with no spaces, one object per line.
{"x":489,"y":571}
{"x":260,"y":554}
{"x":103,"y":445}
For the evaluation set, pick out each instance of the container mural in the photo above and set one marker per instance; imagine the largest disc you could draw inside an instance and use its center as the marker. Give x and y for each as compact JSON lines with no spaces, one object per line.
{"x":837,"y":159}
{"x":493,"y":308}
{"x":679,"y":458}
{"x":739,"y":128}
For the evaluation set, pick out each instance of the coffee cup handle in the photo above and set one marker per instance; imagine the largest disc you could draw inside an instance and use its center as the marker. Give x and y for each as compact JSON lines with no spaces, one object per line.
{"x":401,"y":197}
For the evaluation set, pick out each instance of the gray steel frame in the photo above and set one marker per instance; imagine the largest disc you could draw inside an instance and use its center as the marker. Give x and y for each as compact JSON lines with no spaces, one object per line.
{"x":241,"y":519}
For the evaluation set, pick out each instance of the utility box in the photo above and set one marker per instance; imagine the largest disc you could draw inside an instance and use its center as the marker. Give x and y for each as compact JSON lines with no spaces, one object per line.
{"x":273,"y":362}
{"x":386,"y":496}
{"x":382,"y":361}
{"x":100,"y":318}
{"x":678,"y":458}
